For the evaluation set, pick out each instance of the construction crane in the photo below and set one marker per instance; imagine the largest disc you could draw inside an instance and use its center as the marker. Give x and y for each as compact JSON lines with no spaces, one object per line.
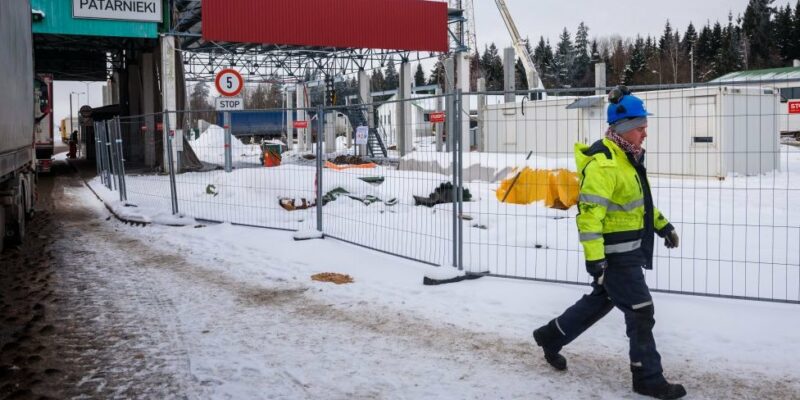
{"x":534,"y":81}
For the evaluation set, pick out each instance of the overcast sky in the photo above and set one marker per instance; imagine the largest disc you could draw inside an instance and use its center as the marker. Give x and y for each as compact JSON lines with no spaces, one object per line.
{"x":626,"y":18}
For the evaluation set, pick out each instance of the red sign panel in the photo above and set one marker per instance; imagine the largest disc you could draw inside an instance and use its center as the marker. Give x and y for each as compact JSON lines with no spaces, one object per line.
{"x":794,"y":107}
{"x":413,"y":25}
{"x":300,"y":124}
{"x":436,"y":117}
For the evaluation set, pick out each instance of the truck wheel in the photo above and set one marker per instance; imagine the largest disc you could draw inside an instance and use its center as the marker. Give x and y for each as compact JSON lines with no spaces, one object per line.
{"x":2,"y":227}
{"x":28,"y":203}
{"x":16,"y":229}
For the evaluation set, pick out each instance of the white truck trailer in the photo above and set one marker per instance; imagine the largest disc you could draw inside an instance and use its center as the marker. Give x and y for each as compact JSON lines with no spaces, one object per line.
{"x":17,"y":121}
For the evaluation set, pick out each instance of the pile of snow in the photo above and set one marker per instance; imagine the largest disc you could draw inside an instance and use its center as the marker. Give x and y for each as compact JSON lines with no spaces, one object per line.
{"x":210,"y":148}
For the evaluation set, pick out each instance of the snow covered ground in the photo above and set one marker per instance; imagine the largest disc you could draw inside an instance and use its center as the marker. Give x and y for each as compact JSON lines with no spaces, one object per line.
{"x":244,"y":320}
{"x":739,"y":236}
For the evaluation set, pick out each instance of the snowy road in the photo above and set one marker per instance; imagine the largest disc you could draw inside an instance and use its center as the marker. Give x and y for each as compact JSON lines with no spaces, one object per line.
{"x":230,"y":312}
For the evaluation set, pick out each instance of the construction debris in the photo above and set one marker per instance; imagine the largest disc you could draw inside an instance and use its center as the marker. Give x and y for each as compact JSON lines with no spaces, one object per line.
{"x":442,"y":194}
{"x":349,"y":160}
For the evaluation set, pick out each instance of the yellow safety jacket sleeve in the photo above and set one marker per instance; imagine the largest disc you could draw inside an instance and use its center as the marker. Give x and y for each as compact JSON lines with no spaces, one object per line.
{"x":597,"y":187}
{"x":660,"y":222}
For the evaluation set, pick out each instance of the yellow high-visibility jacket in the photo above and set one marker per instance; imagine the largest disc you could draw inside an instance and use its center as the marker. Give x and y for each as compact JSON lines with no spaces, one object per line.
{"x":616,"y":217}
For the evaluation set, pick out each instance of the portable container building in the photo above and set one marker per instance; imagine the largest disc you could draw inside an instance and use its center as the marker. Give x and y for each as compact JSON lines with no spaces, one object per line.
{"x":786,"y":80}
{"x":705,"y":132}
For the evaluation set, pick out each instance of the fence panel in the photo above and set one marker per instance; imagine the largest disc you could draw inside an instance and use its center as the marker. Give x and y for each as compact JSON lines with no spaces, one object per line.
{"x":402,"y":203}
{"x":147,"y":186}
{"x":717,"y":167}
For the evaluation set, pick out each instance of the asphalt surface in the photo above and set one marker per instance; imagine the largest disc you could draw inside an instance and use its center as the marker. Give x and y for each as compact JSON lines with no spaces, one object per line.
{"x":61,"y":336}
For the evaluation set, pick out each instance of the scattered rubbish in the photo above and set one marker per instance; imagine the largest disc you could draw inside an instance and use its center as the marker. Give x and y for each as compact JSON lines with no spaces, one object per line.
{"x":332,"y":277}
{"x":341,"y":167}
{"x":375,"y":180}
{"x":289,"y":204}
{"x":365,"y":199}
{"x":480,"y":226}
{"x":348,"y":160}
{"x":212,"y":190}
{"x":442,"y":194}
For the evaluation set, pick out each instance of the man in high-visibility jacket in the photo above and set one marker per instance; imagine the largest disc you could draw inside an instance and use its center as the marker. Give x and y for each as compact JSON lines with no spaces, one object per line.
{"x":616,"y":222}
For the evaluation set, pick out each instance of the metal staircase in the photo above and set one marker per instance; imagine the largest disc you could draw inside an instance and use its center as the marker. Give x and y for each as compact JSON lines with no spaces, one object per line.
{"x":375,"y":144}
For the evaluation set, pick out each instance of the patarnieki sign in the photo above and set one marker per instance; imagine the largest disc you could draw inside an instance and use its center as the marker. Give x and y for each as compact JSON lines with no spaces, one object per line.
{"x":125,"y":10}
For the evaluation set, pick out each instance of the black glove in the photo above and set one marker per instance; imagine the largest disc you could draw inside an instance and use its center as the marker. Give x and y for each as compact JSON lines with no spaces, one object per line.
{"x":596,"y":268}
{"x":671,"y":239}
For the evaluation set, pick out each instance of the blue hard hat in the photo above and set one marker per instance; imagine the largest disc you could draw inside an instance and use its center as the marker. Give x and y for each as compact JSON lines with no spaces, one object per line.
{"x":623,"y":105}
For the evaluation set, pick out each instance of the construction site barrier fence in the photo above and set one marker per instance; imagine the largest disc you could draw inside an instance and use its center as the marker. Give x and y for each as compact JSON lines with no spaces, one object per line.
{"x":487,"y":182}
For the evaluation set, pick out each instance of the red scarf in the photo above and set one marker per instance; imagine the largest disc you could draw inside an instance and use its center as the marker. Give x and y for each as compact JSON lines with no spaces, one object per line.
{"x":625,"y":145}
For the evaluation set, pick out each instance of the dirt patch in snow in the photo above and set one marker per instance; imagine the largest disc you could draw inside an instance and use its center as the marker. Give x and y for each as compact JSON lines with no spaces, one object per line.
{"x":332,"y":277}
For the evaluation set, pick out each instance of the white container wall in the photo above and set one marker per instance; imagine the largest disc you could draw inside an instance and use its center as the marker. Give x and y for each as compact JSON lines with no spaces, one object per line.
{"x":702,"y":132}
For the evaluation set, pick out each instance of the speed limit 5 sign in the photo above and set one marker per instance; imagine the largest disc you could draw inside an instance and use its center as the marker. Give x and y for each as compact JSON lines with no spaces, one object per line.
{"x":229,"y":82}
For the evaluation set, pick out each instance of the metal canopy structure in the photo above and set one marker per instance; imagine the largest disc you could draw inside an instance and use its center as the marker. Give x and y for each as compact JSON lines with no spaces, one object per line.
{"x":263,"y":62}
{"x":84,"y":58}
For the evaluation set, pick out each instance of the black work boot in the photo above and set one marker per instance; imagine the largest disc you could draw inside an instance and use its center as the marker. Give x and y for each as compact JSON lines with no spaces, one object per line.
{"x":545,"y":335}
{"x":661,"y":390}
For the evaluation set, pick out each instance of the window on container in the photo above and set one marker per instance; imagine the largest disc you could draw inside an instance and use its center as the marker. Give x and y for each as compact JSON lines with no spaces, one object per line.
{"x":789,"y":94}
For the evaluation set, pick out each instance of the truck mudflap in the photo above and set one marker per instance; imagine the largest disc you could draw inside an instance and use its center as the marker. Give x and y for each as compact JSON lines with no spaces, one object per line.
{"x":44,"y":165}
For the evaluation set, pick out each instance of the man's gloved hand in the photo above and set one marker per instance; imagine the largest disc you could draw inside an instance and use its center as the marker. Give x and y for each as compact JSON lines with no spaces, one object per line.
{"x":671,"y":239}
{"x":596,"y":268}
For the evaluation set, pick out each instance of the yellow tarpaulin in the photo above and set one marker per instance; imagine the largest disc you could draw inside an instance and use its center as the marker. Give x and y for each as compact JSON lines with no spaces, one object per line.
{"x":558,"y":188}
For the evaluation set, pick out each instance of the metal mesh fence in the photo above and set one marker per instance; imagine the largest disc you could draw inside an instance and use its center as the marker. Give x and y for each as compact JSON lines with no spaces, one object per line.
{"x":716,"y":166}
{"x":722,"y":163}
{"x":401,"y":203}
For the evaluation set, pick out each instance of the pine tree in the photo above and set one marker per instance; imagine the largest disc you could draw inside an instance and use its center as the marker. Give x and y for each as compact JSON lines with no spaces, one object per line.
{"x":275,"y":95}
{"x":728,"y":57}
{"x":782,"y":34}
{"x":666,"y":39}
{"x":689,"y":39}
{"x":541,"y":57}
{"x":757,"y":27}
{"x":199,"y":103}
{"x":703,"y":51}
{"x":437,"y":75}
{"x":636,"y":67}
{"x":377,"y":81}
{"x":563,"y":59}
{"x":795,"y":52}
{"x":419,"y":76}
{"x":492,"y":65}
{"x":391,"y":77}
{"x":257,"y":99}
{"x":581,"y":71}
{"x":520,"y":79}
{"x":198,"y":100}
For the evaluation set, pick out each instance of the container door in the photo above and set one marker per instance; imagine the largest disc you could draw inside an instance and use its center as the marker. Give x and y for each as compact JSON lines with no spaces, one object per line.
{"x":703,"y":130}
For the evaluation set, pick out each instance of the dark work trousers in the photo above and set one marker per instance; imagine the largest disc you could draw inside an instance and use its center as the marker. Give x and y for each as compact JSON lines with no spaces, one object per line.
{"x":625,"y":288}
